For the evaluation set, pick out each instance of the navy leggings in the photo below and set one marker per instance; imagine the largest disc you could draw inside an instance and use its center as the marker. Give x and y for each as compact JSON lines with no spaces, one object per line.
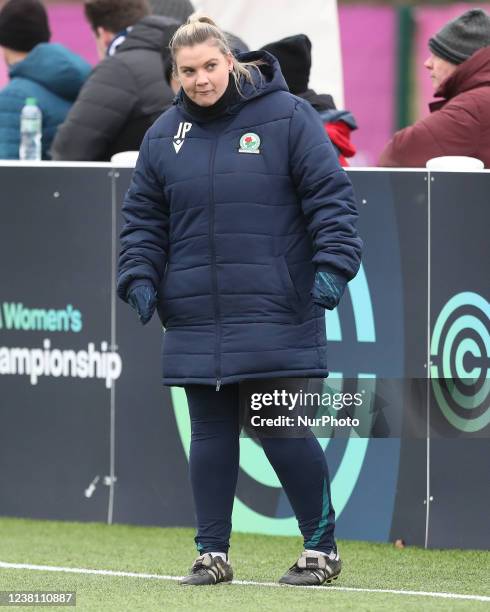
{"x":299,"y":463}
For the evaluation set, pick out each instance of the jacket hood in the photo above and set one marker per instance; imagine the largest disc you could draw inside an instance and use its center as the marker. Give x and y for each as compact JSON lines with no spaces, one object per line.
{"x":55,"y":67}
{"x":474,"y":72}
{"x":152,"y":33}
{"x":270,"y":78}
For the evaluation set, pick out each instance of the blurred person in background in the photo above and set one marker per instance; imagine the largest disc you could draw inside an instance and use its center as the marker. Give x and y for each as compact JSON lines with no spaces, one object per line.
{"x":50,"y":73}
{"x":236,"y":44}
{"x":459,"y":123}
{"x":127,"y":90}
{"x":180,"y":10}
{"x":240,"y":229}
{"x":294,"y":56}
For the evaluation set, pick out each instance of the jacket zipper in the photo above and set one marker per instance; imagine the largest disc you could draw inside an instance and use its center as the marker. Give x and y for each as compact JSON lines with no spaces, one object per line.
{"x":214,"y":274}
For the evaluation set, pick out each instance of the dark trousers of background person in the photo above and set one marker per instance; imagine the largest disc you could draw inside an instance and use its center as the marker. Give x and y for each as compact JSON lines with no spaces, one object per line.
{"x":299,"y":463}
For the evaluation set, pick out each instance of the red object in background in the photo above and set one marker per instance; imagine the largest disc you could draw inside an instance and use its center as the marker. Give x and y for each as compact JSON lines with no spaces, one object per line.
{"x":368,"y":35}
{"x":339,"y":133}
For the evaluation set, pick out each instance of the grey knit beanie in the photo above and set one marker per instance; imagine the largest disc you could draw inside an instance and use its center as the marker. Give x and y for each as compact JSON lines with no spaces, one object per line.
{"x":180,"y":10}
{"x":461,"y":37}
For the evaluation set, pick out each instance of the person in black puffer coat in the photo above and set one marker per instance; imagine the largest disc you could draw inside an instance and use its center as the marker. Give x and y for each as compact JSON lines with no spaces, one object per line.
{"x":240,"y":229}
{"x":127,"y":91}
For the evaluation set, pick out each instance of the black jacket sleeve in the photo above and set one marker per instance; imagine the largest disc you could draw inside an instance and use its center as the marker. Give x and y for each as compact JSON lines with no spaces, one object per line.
{"x":101,"y":110}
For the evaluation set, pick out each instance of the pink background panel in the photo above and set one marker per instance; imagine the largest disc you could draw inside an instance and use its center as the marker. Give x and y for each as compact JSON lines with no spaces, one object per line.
{"x":368,"y":39}
{"x":71,"y":29}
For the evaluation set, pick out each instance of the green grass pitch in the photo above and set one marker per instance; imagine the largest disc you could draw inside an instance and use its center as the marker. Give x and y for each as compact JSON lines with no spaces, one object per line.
{"x":258,"y":558}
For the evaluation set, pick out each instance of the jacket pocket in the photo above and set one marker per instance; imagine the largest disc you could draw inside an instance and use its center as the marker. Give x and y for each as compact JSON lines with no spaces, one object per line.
{"x":287,"y":283}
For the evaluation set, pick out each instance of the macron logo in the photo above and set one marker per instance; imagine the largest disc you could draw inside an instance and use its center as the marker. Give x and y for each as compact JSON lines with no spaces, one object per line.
{"x":184,"y":127}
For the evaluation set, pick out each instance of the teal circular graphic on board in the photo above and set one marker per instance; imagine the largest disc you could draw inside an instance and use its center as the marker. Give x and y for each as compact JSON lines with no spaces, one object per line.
{"x":460,"y":361}
{"x":253,"y":461}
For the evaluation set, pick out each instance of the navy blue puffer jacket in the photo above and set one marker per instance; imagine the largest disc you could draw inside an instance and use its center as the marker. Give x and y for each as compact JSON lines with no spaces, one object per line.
{"x":231,"y":240}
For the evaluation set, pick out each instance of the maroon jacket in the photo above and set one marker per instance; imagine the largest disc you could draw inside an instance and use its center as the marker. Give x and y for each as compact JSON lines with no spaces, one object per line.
{"x":458,"y":125}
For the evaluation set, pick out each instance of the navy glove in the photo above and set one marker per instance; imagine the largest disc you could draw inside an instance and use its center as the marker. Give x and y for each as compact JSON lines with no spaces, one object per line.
{"x":328,"y":289}
{"x":143,"y":298}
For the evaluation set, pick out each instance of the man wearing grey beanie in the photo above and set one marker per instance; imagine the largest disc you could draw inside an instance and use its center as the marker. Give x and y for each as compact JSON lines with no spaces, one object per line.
{"x":180,"y":10}
{"x":459,"y":123}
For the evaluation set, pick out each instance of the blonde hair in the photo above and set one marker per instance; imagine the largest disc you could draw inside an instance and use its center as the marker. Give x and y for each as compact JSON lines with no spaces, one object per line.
{"x":200,"y":29}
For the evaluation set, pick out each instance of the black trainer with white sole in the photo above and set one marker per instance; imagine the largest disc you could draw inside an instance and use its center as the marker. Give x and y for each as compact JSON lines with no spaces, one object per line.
{"x":313,"y":569}
{"x":207,"y":569}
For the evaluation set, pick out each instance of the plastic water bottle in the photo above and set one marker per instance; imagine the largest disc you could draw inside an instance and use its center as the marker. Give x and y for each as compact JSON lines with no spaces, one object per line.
{"x":30,"y":131}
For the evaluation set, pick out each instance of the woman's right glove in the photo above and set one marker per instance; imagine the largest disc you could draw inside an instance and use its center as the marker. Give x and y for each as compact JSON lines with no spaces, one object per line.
{"x":143,"y":298}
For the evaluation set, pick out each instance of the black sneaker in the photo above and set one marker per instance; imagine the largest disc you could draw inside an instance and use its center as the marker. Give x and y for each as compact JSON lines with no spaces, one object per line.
{"x":312,"y":569}
{"x":207,"y":569}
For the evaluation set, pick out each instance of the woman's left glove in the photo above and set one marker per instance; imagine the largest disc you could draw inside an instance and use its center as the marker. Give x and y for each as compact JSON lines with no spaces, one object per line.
{"x":328,"y":289}
{"x":143,"y":298}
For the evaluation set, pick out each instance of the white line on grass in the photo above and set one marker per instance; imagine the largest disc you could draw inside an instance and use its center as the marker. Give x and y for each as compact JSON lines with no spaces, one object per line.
{"x":77,"y":570}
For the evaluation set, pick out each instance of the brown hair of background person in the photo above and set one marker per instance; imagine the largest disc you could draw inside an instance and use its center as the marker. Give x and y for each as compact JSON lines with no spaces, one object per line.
{"x":115,"y":15}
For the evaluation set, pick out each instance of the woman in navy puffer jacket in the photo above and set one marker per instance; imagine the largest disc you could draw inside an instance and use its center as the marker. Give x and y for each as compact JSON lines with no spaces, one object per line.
{"x":240,"y":228}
